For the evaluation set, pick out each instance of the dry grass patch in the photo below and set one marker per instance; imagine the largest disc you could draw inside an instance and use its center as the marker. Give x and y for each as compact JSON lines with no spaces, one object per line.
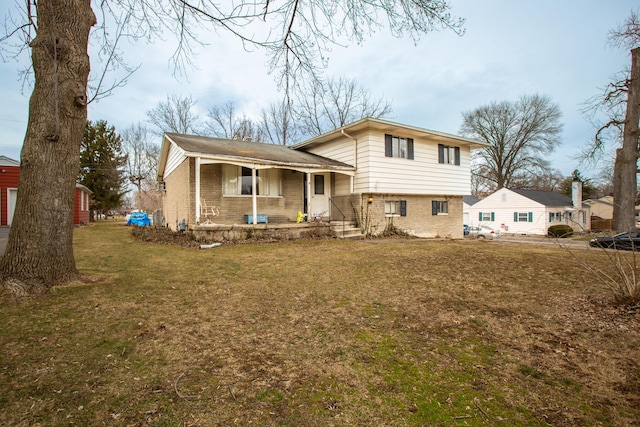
{"x":325,"y":332}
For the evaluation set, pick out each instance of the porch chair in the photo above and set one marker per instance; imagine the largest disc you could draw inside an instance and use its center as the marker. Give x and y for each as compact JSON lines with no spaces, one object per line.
{"x":208,"y":212}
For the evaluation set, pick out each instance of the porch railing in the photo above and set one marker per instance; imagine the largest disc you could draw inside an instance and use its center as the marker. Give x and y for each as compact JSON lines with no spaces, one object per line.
{"x":333,"y":205}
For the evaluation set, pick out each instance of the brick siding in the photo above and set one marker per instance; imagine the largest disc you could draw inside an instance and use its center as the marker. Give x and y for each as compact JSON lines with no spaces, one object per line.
{"x":419,"y":220}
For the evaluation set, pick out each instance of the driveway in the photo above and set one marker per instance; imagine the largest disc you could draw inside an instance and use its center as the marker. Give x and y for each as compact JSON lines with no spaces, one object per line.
{"x":4,"y":235}
{"x":542,"y":240}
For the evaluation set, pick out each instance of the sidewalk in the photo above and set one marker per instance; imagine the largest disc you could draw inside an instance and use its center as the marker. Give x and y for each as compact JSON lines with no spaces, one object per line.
{"x":543,"y":240}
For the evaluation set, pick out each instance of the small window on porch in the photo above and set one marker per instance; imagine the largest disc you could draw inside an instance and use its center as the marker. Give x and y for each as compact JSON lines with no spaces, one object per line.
{"x":318,"y":184}
{"x":236,"y":180}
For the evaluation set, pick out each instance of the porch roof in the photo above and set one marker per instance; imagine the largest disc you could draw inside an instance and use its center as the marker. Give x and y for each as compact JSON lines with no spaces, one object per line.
{"x":251,"y":152}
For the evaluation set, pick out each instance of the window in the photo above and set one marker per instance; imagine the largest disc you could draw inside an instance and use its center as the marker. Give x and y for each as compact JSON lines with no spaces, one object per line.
{"x":236,"y":180}
{"x":395,"y":208}
{"x":487,"y":216}
{"x":439,"y":207}
{"x":555,"y":216}
{"x":448,"y":154}
{"x":318,"y":184}
{"x":395,"y":146}
{"x":523,"y":217}
{"x":247,"y":182}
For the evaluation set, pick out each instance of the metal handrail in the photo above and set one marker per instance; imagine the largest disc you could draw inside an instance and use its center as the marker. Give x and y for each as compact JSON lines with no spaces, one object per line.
{"x":341,"y":213}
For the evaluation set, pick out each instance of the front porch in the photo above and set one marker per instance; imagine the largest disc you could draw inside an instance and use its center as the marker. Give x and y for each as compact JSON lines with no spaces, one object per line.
{"x":277,"y":231}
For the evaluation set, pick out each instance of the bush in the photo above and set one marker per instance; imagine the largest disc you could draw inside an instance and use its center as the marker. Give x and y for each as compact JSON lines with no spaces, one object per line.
{"x":560,"y":231}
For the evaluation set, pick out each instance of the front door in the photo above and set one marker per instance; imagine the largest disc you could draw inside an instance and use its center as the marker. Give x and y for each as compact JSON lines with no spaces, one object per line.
{"x":320,"y":189}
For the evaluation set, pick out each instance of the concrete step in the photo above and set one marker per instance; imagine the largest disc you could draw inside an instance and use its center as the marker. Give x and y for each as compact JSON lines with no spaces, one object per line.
{"x":346,"y":231}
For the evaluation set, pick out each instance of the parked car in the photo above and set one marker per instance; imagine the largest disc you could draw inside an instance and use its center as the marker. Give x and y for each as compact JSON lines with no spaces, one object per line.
{"x":629,"y":241}
{"x":484,"y":232}
{"x":140,"y":219}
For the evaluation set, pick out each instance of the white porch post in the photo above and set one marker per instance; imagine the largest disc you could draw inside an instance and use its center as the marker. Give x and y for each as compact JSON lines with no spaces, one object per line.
{"x":254,"y":196}
{"x":198,"y":190}
{"x":308,"y":196}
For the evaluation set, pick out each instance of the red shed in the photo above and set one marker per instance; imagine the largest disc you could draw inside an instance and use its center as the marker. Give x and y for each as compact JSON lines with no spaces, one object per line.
{"x":9,"y":174}
{"x":81,"y":205}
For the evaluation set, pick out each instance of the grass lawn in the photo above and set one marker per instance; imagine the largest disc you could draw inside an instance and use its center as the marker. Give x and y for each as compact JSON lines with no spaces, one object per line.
{"x":320,"y":333}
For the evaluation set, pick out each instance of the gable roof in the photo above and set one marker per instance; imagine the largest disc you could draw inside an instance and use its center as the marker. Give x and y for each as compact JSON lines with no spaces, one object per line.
{"x":545,"y":198}
{"x":470,"y":200}
{"x":227,"y":150}
{"x":607,"y":201}
{"x":6,"y":161}
{"x":391,"y":128}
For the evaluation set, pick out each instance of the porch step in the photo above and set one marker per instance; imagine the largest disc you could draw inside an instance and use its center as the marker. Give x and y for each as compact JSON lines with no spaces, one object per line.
{"x":349,"y":231}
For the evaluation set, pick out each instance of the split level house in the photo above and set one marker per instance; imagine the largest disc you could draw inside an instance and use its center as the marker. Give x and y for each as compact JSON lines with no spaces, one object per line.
{"x":531,"y":212}
{"x":9,"y":177}
{"x":375,"y":173}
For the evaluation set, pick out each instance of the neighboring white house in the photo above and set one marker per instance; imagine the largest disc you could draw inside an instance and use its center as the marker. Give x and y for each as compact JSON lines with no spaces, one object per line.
{"x":467,"y":202}
{"x":520,"y":211}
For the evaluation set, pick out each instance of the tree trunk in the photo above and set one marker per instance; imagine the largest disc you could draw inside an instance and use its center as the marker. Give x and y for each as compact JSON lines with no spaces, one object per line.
{"x":625,"y":167}
{"x":39,"y":252}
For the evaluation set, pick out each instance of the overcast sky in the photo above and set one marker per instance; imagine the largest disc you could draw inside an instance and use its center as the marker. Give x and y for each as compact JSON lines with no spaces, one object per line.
{"x":510,"y":48}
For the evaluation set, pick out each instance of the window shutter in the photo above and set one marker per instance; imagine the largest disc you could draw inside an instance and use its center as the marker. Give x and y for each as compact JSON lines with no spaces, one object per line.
{"x":457,"y":159}
{"x":515,"y":217}
{"x":440,"y":153}
{"x":480,"y":216}
{"x":530,"y":216}
{"x":493,"y":216}
{"x":410,"y":148}
{"x":550,"y":216}
{"x":434,"y":207}
{"x":403,"y":208}
{"x":388,"y":150}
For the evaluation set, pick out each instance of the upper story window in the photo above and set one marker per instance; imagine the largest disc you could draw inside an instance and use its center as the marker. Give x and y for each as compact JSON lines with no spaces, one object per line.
{"x":448,"y":154}
{"x":395,"y":146}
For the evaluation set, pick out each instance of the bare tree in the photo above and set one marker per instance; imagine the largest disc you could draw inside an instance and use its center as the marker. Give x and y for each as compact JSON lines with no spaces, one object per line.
{"x":226,"y":122}
{"x":331,"y":104}
{"x":519,"y":135}
{"x":175,"y":115}
{"x":142,"y":155}
{"x":548,"y":180}
{"x":149,"y":198}
{"x":277,"y":124}
{"x":297,"y":35}
{"x":621,"y":102}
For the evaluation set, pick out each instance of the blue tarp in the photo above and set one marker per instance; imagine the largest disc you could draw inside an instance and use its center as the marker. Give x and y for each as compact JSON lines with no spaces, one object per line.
{"x":140,"y":219}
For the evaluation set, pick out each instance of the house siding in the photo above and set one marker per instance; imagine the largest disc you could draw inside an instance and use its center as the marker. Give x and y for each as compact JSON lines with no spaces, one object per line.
{"x":81,"y":207}
{"x":504,"y":203}
{"x":419,"y":220}
{"x":177,"y":204}
{"x":174,"y":159}
{"x":380,"y":174}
